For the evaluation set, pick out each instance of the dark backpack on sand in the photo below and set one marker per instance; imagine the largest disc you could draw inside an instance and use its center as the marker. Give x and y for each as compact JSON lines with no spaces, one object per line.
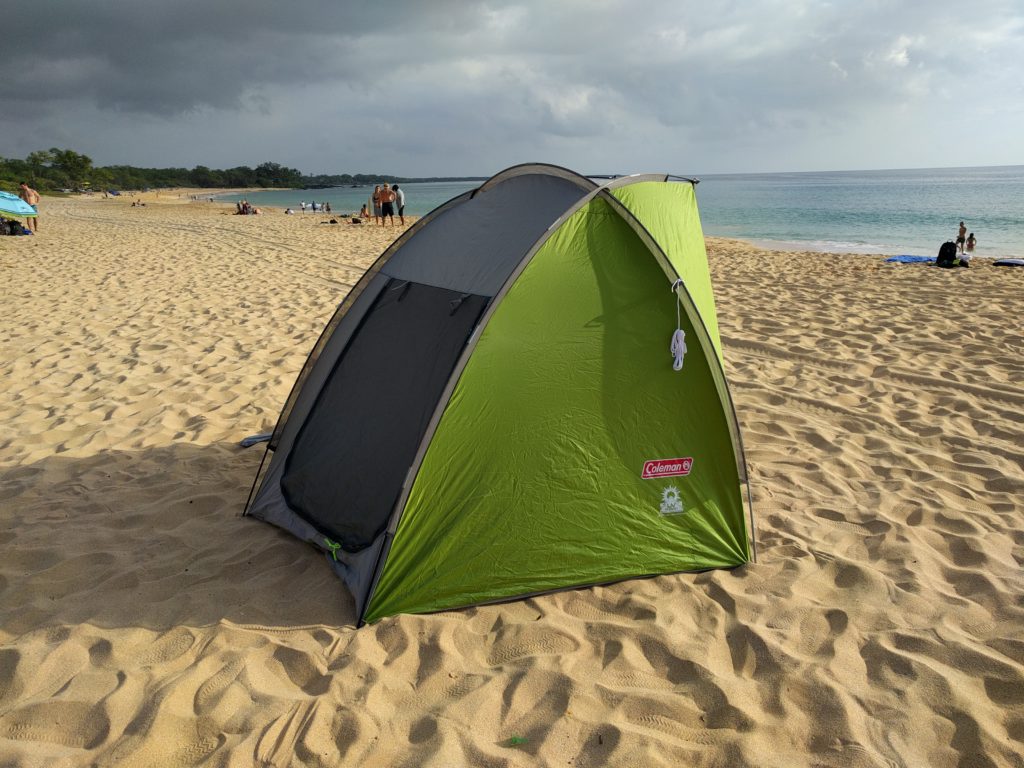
{"x":947,"y":255}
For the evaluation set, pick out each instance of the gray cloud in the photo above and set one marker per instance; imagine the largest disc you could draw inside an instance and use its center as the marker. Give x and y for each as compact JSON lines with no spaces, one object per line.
{"x":452,"y":87}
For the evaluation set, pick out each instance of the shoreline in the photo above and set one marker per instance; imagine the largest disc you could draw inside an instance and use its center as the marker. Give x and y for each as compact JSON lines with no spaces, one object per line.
{"x":777,"y":246}
{"x":852,"y":249}
{"x":182,"y":196}
{"x":768,"y":244}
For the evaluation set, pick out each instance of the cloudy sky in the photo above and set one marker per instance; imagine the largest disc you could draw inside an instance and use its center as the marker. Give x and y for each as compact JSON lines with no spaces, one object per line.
{"x":438,"y":87}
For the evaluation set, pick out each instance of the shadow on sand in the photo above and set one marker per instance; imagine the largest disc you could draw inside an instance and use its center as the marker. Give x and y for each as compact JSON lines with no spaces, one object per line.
{"x":153,"y":538}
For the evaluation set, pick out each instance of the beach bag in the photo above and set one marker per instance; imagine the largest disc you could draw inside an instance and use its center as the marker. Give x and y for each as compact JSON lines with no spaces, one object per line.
{"x":947,"y":254}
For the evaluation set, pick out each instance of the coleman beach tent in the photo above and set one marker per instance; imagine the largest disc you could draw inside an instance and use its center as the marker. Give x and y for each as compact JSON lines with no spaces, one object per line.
{"x":523,"y":394}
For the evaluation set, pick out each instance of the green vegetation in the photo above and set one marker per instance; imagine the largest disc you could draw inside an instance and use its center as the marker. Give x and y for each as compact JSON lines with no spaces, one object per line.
{"x":57,"y":169}
{"x":53,"y":170}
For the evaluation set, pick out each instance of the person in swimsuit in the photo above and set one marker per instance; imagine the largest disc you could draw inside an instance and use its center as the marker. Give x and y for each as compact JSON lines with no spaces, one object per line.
{"x":31,"y":197}
{"x":971,"y":242}
{"x":387,"y":205}
{"x":375,"y":199}
{"x":961,"y":237}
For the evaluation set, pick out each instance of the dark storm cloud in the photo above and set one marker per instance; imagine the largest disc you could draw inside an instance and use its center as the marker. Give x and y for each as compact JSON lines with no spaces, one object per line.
{"x":458,"y":87}
{"x":165,"y":57}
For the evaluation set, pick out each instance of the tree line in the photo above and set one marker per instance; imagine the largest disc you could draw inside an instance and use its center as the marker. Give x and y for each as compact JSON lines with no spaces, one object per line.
{"x":52,"y":170}
{"x":64,"y":169}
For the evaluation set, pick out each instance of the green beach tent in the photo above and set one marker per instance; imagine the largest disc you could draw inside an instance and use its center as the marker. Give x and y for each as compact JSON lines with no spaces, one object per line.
{"x":523,"y":394}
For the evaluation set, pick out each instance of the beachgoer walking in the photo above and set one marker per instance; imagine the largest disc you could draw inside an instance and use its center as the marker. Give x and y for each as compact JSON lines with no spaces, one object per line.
{"x":961,"y":237}
{"x":387,"y":205}
{"x":399,"y":203}
{"x":302,"y":205}
{"x":31,"y":197}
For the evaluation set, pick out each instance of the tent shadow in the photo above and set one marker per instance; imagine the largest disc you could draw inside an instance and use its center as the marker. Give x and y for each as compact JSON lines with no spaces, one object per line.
{"x":153,"y":538}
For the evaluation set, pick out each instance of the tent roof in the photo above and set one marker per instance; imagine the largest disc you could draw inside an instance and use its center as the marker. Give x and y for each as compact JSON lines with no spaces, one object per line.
{"x":474,"y":244}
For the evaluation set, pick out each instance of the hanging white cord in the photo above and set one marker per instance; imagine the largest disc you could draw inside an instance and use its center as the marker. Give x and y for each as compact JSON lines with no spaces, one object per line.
{"x":678,"y":345}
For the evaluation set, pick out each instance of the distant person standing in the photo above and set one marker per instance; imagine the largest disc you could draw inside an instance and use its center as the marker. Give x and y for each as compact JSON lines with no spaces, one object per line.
{"x":387,"y":205}
{"x":971,"y":242}
{"x":375,"y":199}
{"x":31,"y":197}
{"x":399,"y":203}
{"x":961,"y":237}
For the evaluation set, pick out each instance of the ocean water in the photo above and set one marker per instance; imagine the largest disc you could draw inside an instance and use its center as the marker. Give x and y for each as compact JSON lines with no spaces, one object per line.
{"x":883,"y":212}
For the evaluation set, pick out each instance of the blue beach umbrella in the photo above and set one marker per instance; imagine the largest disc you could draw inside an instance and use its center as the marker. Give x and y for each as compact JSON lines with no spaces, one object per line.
{"x":12,"y":205}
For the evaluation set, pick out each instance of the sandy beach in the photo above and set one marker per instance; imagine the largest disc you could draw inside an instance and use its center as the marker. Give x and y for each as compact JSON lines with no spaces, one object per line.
{"x":144,"y":622}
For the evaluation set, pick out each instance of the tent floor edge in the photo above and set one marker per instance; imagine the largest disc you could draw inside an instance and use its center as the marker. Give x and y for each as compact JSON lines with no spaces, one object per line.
{"x":364,"y":620}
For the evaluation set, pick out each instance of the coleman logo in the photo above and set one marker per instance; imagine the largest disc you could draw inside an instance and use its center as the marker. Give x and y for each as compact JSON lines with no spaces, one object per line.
{"x":666,"y":468}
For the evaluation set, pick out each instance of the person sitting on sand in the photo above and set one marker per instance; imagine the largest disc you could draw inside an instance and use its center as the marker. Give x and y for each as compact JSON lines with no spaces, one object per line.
{"x":364,"y":213}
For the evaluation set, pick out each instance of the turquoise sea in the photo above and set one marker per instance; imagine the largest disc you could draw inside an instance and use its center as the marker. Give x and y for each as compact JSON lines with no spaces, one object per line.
{"x":883,"y":212}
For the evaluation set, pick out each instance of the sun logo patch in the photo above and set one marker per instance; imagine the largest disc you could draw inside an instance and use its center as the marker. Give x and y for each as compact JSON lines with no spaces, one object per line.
{"x":671,"y":501}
